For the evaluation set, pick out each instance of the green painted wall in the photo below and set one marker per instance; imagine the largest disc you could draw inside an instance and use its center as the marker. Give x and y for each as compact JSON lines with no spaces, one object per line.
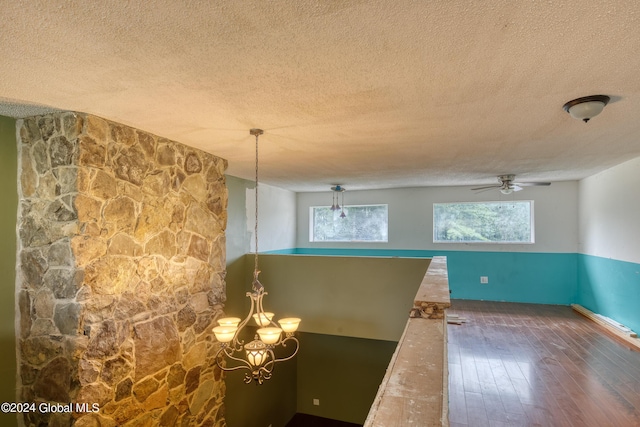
{"x":238,"y":240}
{"x":343,"y":373}
{"x":353,"y":310}
{"x":348,"y":296}
{"x":8,"y":210}
{"x":272,"y":403}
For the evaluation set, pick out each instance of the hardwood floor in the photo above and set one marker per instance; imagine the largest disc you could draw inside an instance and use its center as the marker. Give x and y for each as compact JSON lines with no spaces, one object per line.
{"x":538,"y":365}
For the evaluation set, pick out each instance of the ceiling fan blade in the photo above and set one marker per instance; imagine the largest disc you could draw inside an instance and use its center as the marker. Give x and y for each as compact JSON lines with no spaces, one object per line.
{"x":532,"y":184}
{"x":486,"y":188}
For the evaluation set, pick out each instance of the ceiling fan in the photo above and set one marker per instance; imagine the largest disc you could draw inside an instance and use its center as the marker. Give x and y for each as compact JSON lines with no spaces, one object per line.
{"x":507,"y":185}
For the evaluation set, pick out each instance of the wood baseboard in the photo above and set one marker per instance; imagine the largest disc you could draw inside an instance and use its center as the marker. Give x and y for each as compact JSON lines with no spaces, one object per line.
{"x":634,"y":341}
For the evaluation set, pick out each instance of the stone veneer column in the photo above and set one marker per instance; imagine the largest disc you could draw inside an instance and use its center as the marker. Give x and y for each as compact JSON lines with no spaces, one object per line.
{"x":120,"y":275}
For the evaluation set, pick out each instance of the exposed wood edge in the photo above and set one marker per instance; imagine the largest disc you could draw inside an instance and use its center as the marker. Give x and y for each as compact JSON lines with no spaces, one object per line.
{"x":434,"y":288}
{"x":413,"y":390}
{"x":433,"y":296}
{"x":417,"y":355}
{"x":385,"y":381}
{"x":445,"y":379}
{"x":635,"y":342}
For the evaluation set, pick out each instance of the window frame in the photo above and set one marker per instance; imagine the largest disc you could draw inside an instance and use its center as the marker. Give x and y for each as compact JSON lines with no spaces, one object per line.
{"x":532,"y":233}
{"x":312,"y":223}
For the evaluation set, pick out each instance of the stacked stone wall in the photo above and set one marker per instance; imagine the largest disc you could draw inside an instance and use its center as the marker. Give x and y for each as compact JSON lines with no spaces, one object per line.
{"x":120,"y":276}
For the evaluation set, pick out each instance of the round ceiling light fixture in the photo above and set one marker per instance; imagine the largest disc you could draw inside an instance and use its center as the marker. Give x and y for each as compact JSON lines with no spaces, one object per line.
{"x":587,"y":107}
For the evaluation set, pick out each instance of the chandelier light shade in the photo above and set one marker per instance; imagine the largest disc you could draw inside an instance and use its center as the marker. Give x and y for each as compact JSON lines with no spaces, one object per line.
{"x":256,"y":351}
{"x":587,"y":107}
{"x":229,"y":321}
{"x":225,"y":333}
{"x":258,"y":356}
{"x":263,"y":319}
{"x":289,"y":324}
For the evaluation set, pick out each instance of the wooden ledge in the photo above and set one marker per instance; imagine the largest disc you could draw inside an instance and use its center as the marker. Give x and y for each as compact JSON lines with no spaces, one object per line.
{"x":433,"y":295}
{"x":414,"y":390}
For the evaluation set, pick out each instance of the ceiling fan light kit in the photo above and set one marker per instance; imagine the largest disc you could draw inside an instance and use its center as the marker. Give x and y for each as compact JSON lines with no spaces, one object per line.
{"x":587,"y":107}
{"x":509,"y":190}
{"x":335,"y":206}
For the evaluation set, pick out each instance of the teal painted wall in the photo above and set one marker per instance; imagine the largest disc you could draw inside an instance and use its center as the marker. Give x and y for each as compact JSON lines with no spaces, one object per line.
{"x":540,"y":278}
{"x":8,"y":210}
{"x":611,"y":288}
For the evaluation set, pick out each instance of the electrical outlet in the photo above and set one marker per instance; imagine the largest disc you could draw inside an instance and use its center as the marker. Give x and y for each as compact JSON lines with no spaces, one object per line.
{"x":484,"y":280}
{"x":316,"y":402}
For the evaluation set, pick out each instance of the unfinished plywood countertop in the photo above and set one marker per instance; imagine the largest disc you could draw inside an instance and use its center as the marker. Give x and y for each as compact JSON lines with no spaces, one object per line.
{"x":414,"y":389}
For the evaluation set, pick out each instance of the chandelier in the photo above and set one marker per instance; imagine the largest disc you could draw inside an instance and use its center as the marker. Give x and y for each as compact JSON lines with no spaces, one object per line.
{"x":257,"y":357}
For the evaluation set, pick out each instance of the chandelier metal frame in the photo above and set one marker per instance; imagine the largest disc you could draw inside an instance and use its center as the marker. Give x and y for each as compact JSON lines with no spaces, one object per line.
{"x":259,"y":354}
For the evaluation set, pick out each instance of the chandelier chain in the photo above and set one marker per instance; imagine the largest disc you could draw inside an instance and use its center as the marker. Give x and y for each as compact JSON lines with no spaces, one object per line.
{"x":255,"y":265}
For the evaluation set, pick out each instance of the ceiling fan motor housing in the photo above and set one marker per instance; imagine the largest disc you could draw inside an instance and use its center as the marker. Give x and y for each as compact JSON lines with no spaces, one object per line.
{"x":506,"y":178}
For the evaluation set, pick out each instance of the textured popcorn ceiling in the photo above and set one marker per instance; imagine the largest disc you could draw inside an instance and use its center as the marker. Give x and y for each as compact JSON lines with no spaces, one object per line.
{"x":369,"y":93}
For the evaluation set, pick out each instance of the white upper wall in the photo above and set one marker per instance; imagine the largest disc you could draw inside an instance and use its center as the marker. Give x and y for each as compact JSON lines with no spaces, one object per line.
{"x":276,"y":217}
{"x":609,"y":213}
{"x":411,"y":217}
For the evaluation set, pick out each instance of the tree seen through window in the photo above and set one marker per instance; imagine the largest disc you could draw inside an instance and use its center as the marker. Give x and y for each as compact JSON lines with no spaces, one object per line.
{"x":488,"y":222}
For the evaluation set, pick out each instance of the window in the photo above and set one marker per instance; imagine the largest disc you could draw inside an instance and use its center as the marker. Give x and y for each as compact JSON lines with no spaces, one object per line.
{"x":483,"y":222}
{"x":364,"y":223}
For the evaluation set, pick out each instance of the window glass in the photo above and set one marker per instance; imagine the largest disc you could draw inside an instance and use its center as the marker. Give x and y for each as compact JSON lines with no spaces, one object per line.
{"x":364,"y":223}
{"x":484,"y":222}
